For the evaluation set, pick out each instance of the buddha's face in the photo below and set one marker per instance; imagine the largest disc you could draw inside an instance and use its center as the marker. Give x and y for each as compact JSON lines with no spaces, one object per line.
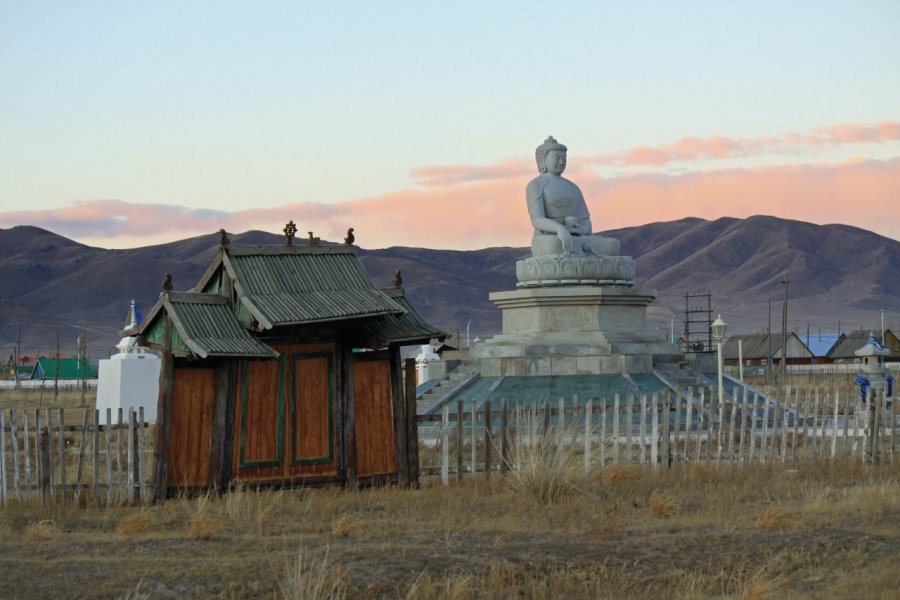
{"x":555,"y":162}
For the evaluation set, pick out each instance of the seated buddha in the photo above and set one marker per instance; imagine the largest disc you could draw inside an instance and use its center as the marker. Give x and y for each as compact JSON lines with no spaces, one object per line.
{"x":562,"y":224}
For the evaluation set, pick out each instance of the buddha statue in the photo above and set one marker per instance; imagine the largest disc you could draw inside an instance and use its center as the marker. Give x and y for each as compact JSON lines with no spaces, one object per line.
{"x":562,"y":224}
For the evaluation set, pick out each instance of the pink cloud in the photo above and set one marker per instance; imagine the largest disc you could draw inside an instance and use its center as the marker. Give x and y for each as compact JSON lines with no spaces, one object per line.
{"x":492,"y":212}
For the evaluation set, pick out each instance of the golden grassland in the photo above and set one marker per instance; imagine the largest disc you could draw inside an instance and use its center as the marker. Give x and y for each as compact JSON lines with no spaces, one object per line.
{"x":809,"y":530}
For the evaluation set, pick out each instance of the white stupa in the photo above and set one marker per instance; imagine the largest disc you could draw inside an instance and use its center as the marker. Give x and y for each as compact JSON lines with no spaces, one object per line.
{"x":129,"y":379}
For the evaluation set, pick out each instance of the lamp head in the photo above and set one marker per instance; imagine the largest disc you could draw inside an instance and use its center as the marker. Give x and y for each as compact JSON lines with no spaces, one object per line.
{"x":718,"y":328}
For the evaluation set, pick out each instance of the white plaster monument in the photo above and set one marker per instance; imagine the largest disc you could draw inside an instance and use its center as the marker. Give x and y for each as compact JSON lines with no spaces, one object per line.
{"x":129,"y":379}
{"x":576,"y":309}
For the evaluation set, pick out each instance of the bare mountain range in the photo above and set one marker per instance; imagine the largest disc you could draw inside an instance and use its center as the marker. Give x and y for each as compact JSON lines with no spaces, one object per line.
{"x":839,"y":276}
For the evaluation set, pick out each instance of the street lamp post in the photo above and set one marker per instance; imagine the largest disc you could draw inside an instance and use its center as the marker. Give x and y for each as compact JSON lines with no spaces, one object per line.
{"x":467,"y":333}
{"x":718,"y":330}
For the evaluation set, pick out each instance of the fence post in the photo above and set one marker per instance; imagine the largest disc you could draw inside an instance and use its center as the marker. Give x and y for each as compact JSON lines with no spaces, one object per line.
{"x":677,"y":436}
{"x":460,"y":442}
{"x":688,"y":421}
{"x":642,"y":430}
{"x":131,"y":458}
{"x":666,"y":415}
{"x":2,"y":459}
{"x":63,"y":470}
{"x":615,"y":425}
{"x":629,"y":417}
{"x":602,"y":432}
{"x":26,"y":451}
{"x":109,"y":486}
{"x":587,"y":435}
{"x":80,"y":472}
{"x":834,"y":422}
{"x":96,"y":500}
{"x":504,"y":436}
{"x":474,"y":438}
{"x":49,"y":450}
{"x":142,"y":455}
{"x":765,"y":430}
{"x":488,"y":439}
{"x":38,"y":458}
{"x":445,"y":443}
{"x":654,"y":433}
{"x":14,"y":437}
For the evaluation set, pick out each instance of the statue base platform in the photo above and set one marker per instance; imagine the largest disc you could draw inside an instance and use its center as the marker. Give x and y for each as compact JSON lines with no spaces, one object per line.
{"x":543,"y":271}
{"x":572,"y":330}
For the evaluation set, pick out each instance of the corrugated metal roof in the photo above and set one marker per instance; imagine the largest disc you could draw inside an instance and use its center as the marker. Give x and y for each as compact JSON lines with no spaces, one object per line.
{"x":209,"y":328}
{"x":849,"y":343}
{"x":291,"y":285}
{"x":820,"y":343}
{"x":410,"y":328}
{"x":754,"y":346}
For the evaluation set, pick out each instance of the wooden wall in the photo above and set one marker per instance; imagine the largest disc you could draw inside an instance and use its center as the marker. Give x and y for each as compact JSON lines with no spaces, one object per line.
{"x":191,"y":427}
{"x":286,"y":415}
{"x":375,"y":444}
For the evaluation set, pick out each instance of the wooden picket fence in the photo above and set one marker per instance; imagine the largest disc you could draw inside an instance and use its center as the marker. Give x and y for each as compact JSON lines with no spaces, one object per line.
{"x":47,"y":458}
{"x":666,"y":429}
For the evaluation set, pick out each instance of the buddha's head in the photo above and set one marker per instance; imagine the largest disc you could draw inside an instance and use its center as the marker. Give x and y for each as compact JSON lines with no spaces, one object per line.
{"x":551,"y":156}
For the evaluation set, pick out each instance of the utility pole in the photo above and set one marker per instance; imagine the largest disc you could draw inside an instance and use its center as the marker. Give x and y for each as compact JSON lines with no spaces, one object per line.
{"x":769,"y":342}
{"x":784,"y":326}
{"x":18,"y":350}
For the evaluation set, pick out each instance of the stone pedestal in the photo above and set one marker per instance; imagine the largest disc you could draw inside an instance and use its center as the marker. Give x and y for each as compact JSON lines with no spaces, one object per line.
{"x":571,"y":330}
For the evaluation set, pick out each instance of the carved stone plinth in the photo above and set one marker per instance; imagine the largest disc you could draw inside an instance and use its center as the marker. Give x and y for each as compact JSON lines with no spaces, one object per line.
{"x":571,"y":330}
{"x":542,"y":271}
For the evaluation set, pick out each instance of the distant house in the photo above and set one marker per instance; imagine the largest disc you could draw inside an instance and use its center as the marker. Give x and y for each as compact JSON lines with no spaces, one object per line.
{"x":759,"y":349}
{"x":282,"y":365}
{"x":820,"y":344}
{"x":63,"y":368}
{"x":844,"y":350}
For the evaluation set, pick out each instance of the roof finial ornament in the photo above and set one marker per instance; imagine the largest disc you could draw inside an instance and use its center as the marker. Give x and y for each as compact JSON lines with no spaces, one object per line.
{"x":350,"y":237}
{"x":313,"y":241}
{"x":223,"y":239}
{"x":167,"y":283}
{"x":289,"y":230}
{"x":398,"y":279}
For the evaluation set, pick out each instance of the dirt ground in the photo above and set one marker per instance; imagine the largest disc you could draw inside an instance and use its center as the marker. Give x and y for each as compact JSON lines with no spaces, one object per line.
{"x":807,"y":531}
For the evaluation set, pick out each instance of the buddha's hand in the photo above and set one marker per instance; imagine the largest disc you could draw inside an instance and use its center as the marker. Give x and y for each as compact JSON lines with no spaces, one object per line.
{"x":565,"y":239}
{"x":573,"y":225}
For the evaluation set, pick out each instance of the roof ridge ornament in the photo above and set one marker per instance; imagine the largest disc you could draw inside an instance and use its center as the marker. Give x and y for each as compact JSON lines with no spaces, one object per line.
{"x":313,"y":241}
{"x":223,"y":239}
{"x":289,"y":230}
{"x":350,"y":237}
{"x":167,"y":283}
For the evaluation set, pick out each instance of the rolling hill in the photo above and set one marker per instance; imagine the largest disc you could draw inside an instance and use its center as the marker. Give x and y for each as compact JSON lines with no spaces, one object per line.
{"x":839,"y":276}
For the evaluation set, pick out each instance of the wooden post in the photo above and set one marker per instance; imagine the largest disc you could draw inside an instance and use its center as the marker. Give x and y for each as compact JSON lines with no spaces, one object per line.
{"x":120,"y":457}
{"x":49,"y":450}
{"x":96,"y":500}
{"x":518,"y":434}
{"x":785,"y":423}
{"x":752,"y":441}
{"x":109,"y":478}
{"x":222,"y":433}
{"x":815,"y":428}
{"x":163,"y":419}
{"x":615,"y":433}
{"x":26,"y":443}
{"x":667,"y":426}
{"x":893,"y":425}
{"x":602,"y":432}
{"x":700,"y":424}
{"x":39,"y":459}
{"x":63,"y":470}
{"x":561,"y":423}
{"x":488,"y":439}
{"x":347,"y":421}
{"x":805,"y":438}
{"x":642,"y":430}
{"x":546,"y":430}
{"x":688,"y":422}
{"x":45,"y":453}
{"x":796,"y":426}
{"x":731,"y":423}
{"x":398,"y":405}
{"x":142,"y":456}
{"x":445,"y":444}
{"x":3,"y":458}
{"x":629,"y":417}
{"x":847,"y":403}
{"x":765,"y":431}
{"x":654,"y":432}
{"x":504,"y":436}
{"x":677,"y":436}
{"x":588,"y":417}
{"x":834,"y":422}
{"x":14,"y":438}
{"x":872,"y":430}
{"x":80,"y":471}
{"x":131,"y":456}
{"x":460,"y":440}
{"x":412,"y":424}
{"x":743,"y":432}
{"x":474,"y":437}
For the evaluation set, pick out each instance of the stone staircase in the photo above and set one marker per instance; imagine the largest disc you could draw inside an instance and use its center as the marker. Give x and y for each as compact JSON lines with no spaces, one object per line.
{"x":467,"y":370}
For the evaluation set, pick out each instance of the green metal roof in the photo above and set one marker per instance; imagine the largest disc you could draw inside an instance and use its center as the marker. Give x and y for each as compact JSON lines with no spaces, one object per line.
{"x":410,"y":328}
{"x":205,"y":325}
{"x":289,"y":285}
{"x":67,"y":368}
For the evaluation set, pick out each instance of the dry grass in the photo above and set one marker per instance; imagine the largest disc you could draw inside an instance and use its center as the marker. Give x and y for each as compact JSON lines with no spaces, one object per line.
{"x":626,"y":533}
{"x":777,"y":518}
{"x":38,"y":531}
{"x":345,"y":524}
{"x":305,"y":578}
{"x":136,"y":524}
{"x":544,"y":470}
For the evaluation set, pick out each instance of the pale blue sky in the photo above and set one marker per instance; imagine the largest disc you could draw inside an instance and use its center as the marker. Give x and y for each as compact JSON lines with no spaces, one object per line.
{"x":236,"y":105}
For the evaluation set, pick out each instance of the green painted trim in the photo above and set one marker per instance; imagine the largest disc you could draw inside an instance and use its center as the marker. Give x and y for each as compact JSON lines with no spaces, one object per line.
{"x":156,"y":332}
{"x":279,"y":440}
{"x":328,"y":458}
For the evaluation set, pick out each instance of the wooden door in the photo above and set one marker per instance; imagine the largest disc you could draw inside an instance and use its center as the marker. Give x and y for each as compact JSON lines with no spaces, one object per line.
{"x":375,"y":444}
